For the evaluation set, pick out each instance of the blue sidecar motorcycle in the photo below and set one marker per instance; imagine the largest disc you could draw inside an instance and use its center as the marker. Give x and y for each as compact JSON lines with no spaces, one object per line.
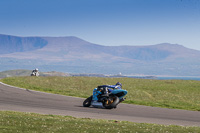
{"x":107,"y":100}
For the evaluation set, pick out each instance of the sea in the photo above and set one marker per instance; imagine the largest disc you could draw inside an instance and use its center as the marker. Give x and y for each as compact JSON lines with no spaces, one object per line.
{"x":168,"y":77}
{"x":178,"y":78}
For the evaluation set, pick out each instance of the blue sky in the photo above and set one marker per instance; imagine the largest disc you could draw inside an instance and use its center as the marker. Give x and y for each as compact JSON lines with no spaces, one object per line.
{"x":105,"y":22}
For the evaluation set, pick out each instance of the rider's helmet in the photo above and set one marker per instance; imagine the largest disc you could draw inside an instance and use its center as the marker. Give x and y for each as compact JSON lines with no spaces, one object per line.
{"x":36,"y":69}
{"x":119,"y":84}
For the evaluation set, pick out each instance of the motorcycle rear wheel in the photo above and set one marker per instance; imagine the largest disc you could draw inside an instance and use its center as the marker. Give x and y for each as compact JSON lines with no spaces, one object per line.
{"x":87,"y":102}
{"x":111,"y":102}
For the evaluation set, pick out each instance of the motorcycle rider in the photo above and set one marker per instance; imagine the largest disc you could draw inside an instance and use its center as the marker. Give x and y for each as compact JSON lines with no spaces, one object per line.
{"x":35,"y":72}
{"x":105,"y":90}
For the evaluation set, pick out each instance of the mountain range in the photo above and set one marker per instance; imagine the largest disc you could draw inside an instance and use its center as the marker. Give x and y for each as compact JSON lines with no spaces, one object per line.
{"x":75,"y":55}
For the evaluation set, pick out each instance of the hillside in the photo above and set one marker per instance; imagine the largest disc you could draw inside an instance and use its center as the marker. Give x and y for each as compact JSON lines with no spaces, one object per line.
{"x":12,"y":73}
{"x":72,"y":54}
{"x":11,"y":44}
{"x":19,"y":73}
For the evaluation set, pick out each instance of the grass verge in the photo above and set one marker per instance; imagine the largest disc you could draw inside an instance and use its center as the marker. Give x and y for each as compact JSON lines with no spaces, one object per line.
{"x":37,"y":123}
{"x":178,"y":94}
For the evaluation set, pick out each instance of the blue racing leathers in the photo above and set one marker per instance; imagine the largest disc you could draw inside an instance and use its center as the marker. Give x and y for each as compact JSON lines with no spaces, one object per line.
{"x":97,"y":91}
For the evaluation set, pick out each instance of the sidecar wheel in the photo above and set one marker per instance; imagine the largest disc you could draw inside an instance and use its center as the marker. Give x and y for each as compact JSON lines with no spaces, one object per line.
{"x":87,"y":102}
{"x":111,"y":102}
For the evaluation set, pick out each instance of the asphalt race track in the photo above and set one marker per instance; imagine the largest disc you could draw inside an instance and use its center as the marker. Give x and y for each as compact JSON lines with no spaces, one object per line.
{"x":16,"y":99}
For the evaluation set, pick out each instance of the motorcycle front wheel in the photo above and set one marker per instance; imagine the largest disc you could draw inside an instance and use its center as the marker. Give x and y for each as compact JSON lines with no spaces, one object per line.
{"x":111,"y":102}
{"x":87,"y":102}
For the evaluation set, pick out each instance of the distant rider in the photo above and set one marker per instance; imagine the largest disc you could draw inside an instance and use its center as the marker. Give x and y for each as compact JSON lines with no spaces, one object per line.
{"x":35,"y":72}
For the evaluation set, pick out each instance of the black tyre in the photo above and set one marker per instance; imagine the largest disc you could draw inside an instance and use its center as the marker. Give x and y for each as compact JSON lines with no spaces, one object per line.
{"x":111,"y":102}
{"x":87,"y":102}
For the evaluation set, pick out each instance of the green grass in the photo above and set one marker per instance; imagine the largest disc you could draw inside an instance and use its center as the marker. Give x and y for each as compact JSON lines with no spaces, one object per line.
{"x":16,"y":122}
{"x":178,"y":94}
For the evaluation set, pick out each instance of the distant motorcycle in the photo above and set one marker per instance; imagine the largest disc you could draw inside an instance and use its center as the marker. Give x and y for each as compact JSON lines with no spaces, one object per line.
{"x":109,"y":101}
{"x":35,"y":72}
